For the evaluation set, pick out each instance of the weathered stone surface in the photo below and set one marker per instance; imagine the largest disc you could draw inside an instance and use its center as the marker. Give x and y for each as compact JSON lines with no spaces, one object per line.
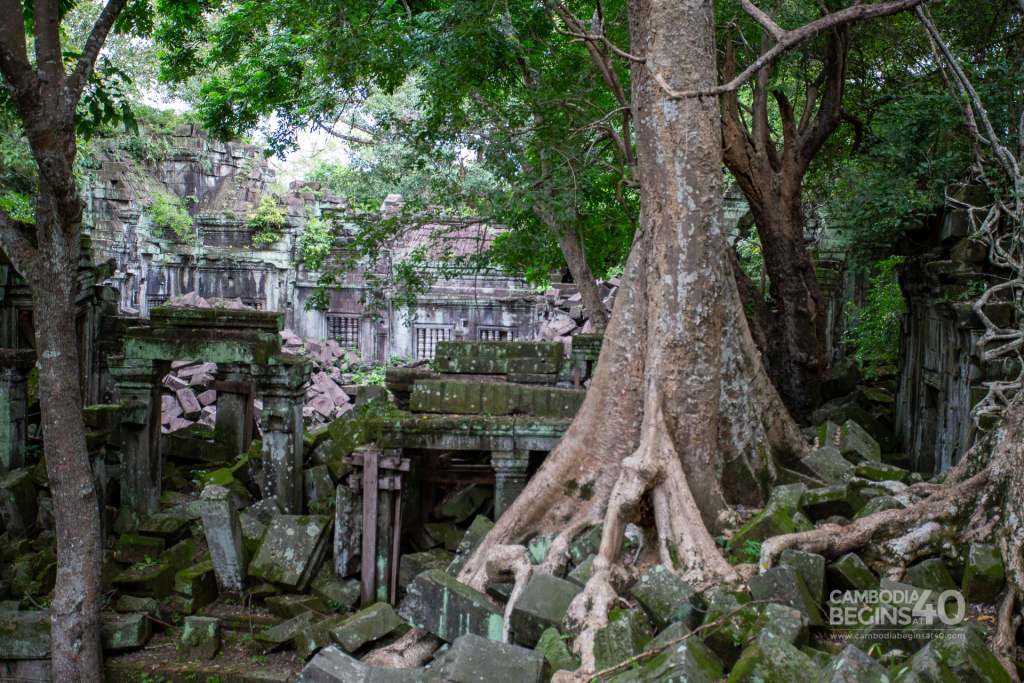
{"x":312,"y":637}
{"x":292,"y":605}
{"x":461,"y":504}
{"x":829,"y":465}
{"x":413,"y":564}
{"x":772,"y":521}
{"x":474,"y":534}
{"x":348,"y":530}
{"x":880,"y":471}
{"x":132,"y":603}
{"x":200,"y":637}
{"x":366,"y":626}
{"x":149,"y":579}
{"x":772,"y":660}
{"x":784,"y":586}
{"x":474,"y":659}
{"x":850,"y":573}
{"x":828,"y":501}
{"x":197,"y":586}
{"x":689,"y":661}
{"x":436,"y":602}
{"x":339,"y":595}
{"x":132,"y":548}
{"x":853,"y":666}
{"x":984,"y":575}
{"x":223,"y":530}
{"x":959,"y":656}
{"x":666,"y":597}
{"x":932,"y":574}
{"x":291,"y":551}
{"x":585,"y":545}
{"x":180,"y":555}
{"x":581,"y":573}
{"x":332,"y":665}
{"x":857,"y":445}
{"x":317,"y":485}
{"x":122,"y":632}
{"x":810,"y":567}
{"x":627,"y":633}
{"x":169,"y":525}
{"x":555,"y":650}
{"x":276,"y":636}
{"x":24,"y":635}
{"x":877,"y":504}
{"x":18,"y":505}
{"x":786,"y":622}
{"x":542,"y":604}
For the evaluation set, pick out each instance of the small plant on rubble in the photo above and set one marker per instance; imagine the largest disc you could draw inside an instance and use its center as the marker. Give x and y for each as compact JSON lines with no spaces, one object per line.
{"x":168,"y":213}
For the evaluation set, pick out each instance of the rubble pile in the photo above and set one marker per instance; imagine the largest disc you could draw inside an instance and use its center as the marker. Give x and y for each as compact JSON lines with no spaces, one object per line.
{"x":564,"y":314}
{"x":331,"y":387}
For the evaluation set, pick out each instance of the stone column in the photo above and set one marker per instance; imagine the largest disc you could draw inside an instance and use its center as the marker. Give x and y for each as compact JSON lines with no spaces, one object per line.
{"x":279,"y":385}
{"x":233,"y":428}
{"x":14,"y":369}
{"x":509,"y":477}
{"x":224,"y":537}
{"x":141,"y":463}
{"x":348,"y":530}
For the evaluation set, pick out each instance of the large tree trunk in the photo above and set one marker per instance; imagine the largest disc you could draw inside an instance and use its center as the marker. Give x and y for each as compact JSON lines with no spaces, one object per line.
{"x":75,"y":610}
{"x":680,"y":416}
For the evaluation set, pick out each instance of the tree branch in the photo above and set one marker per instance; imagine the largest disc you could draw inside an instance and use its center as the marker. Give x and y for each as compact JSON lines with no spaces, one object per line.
{"x":13,"y":242}
{"x":790,"y":39}
{"x":49,"y":61}
{"x":14,"y":62}
{"x":766,"y":22}
{"x":91,"y":51}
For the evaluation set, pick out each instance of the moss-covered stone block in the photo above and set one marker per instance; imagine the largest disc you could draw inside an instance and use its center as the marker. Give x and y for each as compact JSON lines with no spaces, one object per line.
{"x":627,"y":633}
{"x":542,"y":604}
{"x":666,"y":597}
{"x":366,"y":626}
{"x":770,"y":659}
{"x":931,"y":573}
{"x":154,"y":579}
{"x":24,"y":635}
{"x":984,"y":575}
{"x":200,"y":637}
{"x":850,"y":573}
{"x":784,"y":585}
{"x":436,"y":602}
{"x":555,"y":648}
{"x":123,"y":632}
{"x":196,"y":586}
{"x":132,"y":548}
{"x":810,"y":567}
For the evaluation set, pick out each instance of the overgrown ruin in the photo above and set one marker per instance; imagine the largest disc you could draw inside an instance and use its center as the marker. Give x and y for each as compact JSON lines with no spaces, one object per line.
{"x":263,"y":508}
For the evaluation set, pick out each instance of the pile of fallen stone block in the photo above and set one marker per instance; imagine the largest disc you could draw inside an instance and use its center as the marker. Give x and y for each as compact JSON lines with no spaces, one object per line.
{"x":222,"y":583}
{"x":564,"y":314}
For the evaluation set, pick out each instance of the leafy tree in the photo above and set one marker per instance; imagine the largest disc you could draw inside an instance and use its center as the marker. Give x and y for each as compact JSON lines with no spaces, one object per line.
{"x":54,"y":95}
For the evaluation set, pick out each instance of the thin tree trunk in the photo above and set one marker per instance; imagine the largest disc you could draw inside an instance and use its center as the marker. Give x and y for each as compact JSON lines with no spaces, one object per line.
{"x":75,"y":610}
{"x":572,"y":249}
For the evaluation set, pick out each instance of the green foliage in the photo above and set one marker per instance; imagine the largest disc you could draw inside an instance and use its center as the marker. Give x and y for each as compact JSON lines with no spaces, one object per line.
{"x":874,"y":327}
{"x":315,"y":243}
{"x":267,"y":221}
{"x":373,"y":376}
{"x":168,"y":212}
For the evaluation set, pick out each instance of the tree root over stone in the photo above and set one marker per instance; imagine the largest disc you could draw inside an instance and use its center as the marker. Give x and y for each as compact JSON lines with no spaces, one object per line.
{"x":982,"y":499}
